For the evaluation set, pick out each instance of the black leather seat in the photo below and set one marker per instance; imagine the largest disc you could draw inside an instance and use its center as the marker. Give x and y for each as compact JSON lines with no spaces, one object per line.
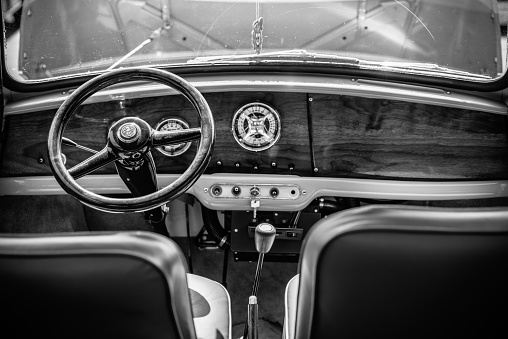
{"x":402,"y":272}
{"x":116,"y":285}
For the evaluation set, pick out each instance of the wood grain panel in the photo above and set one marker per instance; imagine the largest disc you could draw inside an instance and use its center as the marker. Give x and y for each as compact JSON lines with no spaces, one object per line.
{"x":360,"y":137}
{"x":26,"y":146}
{"x":353,"y":137}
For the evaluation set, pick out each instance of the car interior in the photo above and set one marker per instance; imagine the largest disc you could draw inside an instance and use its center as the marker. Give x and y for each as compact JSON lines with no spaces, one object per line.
{"x":254,"y":169}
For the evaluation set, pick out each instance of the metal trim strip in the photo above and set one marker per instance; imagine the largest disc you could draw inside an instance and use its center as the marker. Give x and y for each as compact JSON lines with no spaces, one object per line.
{"x":312,"y":188}
{"x":283,"y":83}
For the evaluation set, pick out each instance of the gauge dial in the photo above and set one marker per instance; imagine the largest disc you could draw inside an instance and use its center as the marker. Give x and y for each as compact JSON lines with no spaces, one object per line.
{"x":173,"y":124}
{"x":256,"y":126}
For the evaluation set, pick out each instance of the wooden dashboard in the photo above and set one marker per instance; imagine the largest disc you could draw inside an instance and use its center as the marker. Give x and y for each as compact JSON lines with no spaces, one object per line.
{"x":322,"y":135}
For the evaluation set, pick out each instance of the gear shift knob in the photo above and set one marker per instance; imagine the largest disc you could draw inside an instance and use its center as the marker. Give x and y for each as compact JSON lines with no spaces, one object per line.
{"x":264,"y":237}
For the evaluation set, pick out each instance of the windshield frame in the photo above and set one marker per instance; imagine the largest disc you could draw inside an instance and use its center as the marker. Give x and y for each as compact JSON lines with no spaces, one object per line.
{"x":74,"y":80}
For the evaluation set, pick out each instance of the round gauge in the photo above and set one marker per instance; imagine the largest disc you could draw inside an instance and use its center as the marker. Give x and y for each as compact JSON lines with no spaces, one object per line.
{"x":173,"y":124}
{"x":256,"y":126}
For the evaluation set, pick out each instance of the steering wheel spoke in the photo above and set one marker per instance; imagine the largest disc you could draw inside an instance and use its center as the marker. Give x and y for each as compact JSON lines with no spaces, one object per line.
{"x":162,"y":138}
{"x":96,"y":161}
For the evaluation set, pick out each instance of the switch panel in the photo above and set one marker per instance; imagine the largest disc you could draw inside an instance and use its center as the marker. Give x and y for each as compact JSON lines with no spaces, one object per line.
{"x":257,"y":191}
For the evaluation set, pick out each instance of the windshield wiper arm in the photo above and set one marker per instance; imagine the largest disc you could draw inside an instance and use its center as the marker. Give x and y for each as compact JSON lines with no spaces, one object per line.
{"x":280,"y":56}
{"x":155,"y":34}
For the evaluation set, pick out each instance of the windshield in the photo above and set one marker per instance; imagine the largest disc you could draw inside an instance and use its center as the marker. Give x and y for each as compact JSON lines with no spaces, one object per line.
{"x":454,"y":39}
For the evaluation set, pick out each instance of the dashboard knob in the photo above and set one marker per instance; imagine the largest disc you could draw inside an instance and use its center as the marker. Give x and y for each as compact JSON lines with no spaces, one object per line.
{"x":216,"y":190}
{"x":274,"y":192}
{"x":236,"y":191}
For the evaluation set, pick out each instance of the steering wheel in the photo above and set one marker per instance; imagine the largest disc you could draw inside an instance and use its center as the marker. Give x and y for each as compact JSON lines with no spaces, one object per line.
{"x":129,"y":142}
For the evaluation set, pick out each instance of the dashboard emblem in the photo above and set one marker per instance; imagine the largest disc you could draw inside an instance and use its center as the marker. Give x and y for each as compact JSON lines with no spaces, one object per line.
{"x":256,"y":126}
{"x":128,"y":132}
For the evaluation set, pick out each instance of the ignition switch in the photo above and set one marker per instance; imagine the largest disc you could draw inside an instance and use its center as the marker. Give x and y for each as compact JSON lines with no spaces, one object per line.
{"x":254,"y":191}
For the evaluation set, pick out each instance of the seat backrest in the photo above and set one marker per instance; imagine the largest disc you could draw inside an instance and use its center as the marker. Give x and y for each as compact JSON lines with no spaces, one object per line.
{"x":402,"y":272}
{"x":115,"y":285}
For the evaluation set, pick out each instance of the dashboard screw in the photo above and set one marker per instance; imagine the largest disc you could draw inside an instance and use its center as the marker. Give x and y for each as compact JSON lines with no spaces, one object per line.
{"x":41,"y":160}
{"x":273,"y":164}
{"x":315,"y":169}
{"x":205,"y":189}
{"x":291,"y":166}
{"x":304,"y":192}
{"x":310,"y":99}
{"x":237,"y":164}
{"x":219,"y":163}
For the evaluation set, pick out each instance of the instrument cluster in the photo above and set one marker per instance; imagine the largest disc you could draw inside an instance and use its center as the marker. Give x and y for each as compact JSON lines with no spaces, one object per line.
{"x":255,"y":127}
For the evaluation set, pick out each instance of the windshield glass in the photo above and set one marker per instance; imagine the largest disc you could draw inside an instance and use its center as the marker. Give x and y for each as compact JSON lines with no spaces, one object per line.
{"x":452,"y":39}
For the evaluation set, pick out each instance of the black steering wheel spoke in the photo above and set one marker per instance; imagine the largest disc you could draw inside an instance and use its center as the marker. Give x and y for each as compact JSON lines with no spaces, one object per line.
{"x":96,"y":161}
{"x":163,"y":138}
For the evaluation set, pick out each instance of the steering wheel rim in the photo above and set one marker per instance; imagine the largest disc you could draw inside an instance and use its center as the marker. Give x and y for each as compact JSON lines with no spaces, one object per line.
{"x":146,"y":202}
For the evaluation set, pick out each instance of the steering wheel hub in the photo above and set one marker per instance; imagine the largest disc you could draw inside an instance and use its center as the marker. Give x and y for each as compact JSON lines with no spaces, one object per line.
{"x":129,"y":135}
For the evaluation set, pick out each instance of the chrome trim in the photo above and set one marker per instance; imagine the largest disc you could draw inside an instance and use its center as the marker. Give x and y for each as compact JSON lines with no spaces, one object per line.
{"x":315,"y":187}
{"x":274,"y":83}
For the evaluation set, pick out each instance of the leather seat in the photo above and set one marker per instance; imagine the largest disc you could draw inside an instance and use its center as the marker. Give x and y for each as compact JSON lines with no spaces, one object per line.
{"x":402,"y":272}
{"x":114,"y":285}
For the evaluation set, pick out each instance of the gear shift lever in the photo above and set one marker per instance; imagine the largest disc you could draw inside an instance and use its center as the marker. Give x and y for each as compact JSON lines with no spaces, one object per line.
{"x":264,"y":237}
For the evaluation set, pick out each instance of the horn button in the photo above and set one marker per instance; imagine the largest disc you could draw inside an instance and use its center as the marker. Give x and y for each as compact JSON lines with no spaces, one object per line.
{"x":130,"y":138}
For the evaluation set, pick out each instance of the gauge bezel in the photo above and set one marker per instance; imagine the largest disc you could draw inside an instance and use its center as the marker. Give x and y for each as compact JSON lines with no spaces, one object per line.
{"x":187,"y":144}
{"x":239,"y":140}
